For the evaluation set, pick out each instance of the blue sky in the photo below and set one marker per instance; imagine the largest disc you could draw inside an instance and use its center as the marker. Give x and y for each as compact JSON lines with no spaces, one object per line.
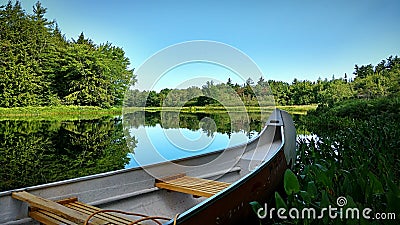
{"x":286,"y":39}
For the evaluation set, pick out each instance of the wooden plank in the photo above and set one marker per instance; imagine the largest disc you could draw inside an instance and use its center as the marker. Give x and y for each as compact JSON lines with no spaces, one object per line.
{"x":112,"y":216}
{"x":194,"y":181}
{"x":192,"y":185}
{"x":81,"y":207}
{"x":183,"y":190}
{"x":204,"y":186}
{"x":50,"y":206}
{"x":62,"y":202}
{"x":89,"y":209}
{"x":67,"y":200}
{"x":200,"y":184}
{"x":174,"y":177}
{"x":48,"y":218}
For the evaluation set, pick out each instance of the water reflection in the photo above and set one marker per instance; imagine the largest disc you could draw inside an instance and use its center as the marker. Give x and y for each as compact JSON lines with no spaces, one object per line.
{"x":36,"y":152}
{"x":167,"y":135}
{"x":224,"y":123}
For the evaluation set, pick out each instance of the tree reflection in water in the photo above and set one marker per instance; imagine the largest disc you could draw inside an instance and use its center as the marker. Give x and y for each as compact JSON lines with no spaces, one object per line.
{"x":34,"y":152}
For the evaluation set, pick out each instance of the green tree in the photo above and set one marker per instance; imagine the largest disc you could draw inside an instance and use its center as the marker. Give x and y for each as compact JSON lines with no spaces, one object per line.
{"x":280,"y":91}
{"x":363,"y":71}
{"x":153,"y":99}
{"x":22,"y":83}
{"x":94,"y":75}
{"x":301,"y":93}
{"x":336,"y":91}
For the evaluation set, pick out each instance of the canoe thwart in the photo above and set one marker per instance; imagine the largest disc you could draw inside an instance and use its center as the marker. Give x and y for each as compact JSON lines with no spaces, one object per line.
{"x":191,"y":185}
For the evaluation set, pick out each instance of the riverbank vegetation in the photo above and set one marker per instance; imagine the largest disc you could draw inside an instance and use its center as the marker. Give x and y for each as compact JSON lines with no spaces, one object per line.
{"x":56,"y":110}
{"x":353,"y":153}
{"x":355,"y":156}
{"x":293,"y":109}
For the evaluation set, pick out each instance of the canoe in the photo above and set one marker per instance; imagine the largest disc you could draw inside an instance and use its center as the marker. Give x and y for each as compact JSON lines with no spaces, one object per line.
{"x":252,"y":172}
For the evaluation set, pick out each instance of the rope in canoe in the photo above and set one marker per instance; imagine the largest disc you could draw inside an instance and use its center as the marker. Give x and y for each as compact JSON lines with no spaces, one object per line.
{"x":175,"y":218}
{"x":145,"y":217}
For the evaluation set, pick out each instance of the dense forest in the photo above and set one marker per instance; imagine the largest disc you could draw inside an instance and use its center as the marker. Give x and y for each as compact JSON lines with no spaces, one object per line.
{"x":382,"y":80}
{"x":40,"y":67}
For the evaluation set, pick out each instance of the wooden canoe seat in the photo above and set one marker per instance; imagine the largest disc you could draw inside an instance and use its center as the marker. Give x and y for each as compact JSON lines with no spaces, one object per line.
{"x":191,"y":185}
{"x":68,"y":211}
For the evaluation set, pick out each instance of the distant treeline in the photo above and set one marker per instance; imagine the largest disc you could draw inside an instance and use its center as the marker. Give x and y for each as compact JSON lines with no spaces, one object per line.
{"x":369,"y":82}
{"x":39,"y":67}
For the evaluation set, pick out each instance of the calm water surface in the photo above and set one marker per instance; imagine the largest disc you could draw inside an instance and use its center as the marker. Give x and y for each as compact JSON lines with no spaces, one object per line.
{"x":195,"y":134}
{"x":35,"y":151}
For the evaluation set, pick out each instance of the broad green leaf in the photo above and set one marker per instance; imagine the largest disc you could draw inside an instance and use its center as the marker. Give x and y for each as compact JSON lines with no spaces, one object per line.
{"x":321,"y":167}
{"x":395,"y":189}
{"x":350,"y":202}
{"x":312,"y":189}
{"x":280,"y":203}
{"x":325,"y":200}
{"x":305,"y":196}
{"x":325,"y":204}
{"x":291,"y":183}
{"x":375,"y":184}
{"x":323,"y":178}
{"x":393,"y":196}
{"x":255,"y":206}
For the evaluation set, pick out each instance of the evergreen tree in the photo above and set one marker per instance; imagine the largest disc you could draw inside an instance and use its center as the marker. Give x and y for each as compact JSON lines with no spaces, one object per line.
{"x":21,"y":84}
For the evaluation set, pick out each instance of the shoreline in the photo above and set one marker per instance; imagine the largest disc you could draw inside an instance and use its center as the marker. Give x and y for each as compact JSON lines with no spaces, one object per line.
{"x":71,"y":111}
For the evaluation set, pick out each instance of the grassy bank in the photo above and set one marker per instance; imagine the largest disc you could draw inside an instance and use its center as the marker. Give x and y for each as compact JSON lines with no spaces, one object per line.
{"x":56,"y":112}
{"x":79,"y":112}
{"x":297,"y":109}
{"x":294,"y":109}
